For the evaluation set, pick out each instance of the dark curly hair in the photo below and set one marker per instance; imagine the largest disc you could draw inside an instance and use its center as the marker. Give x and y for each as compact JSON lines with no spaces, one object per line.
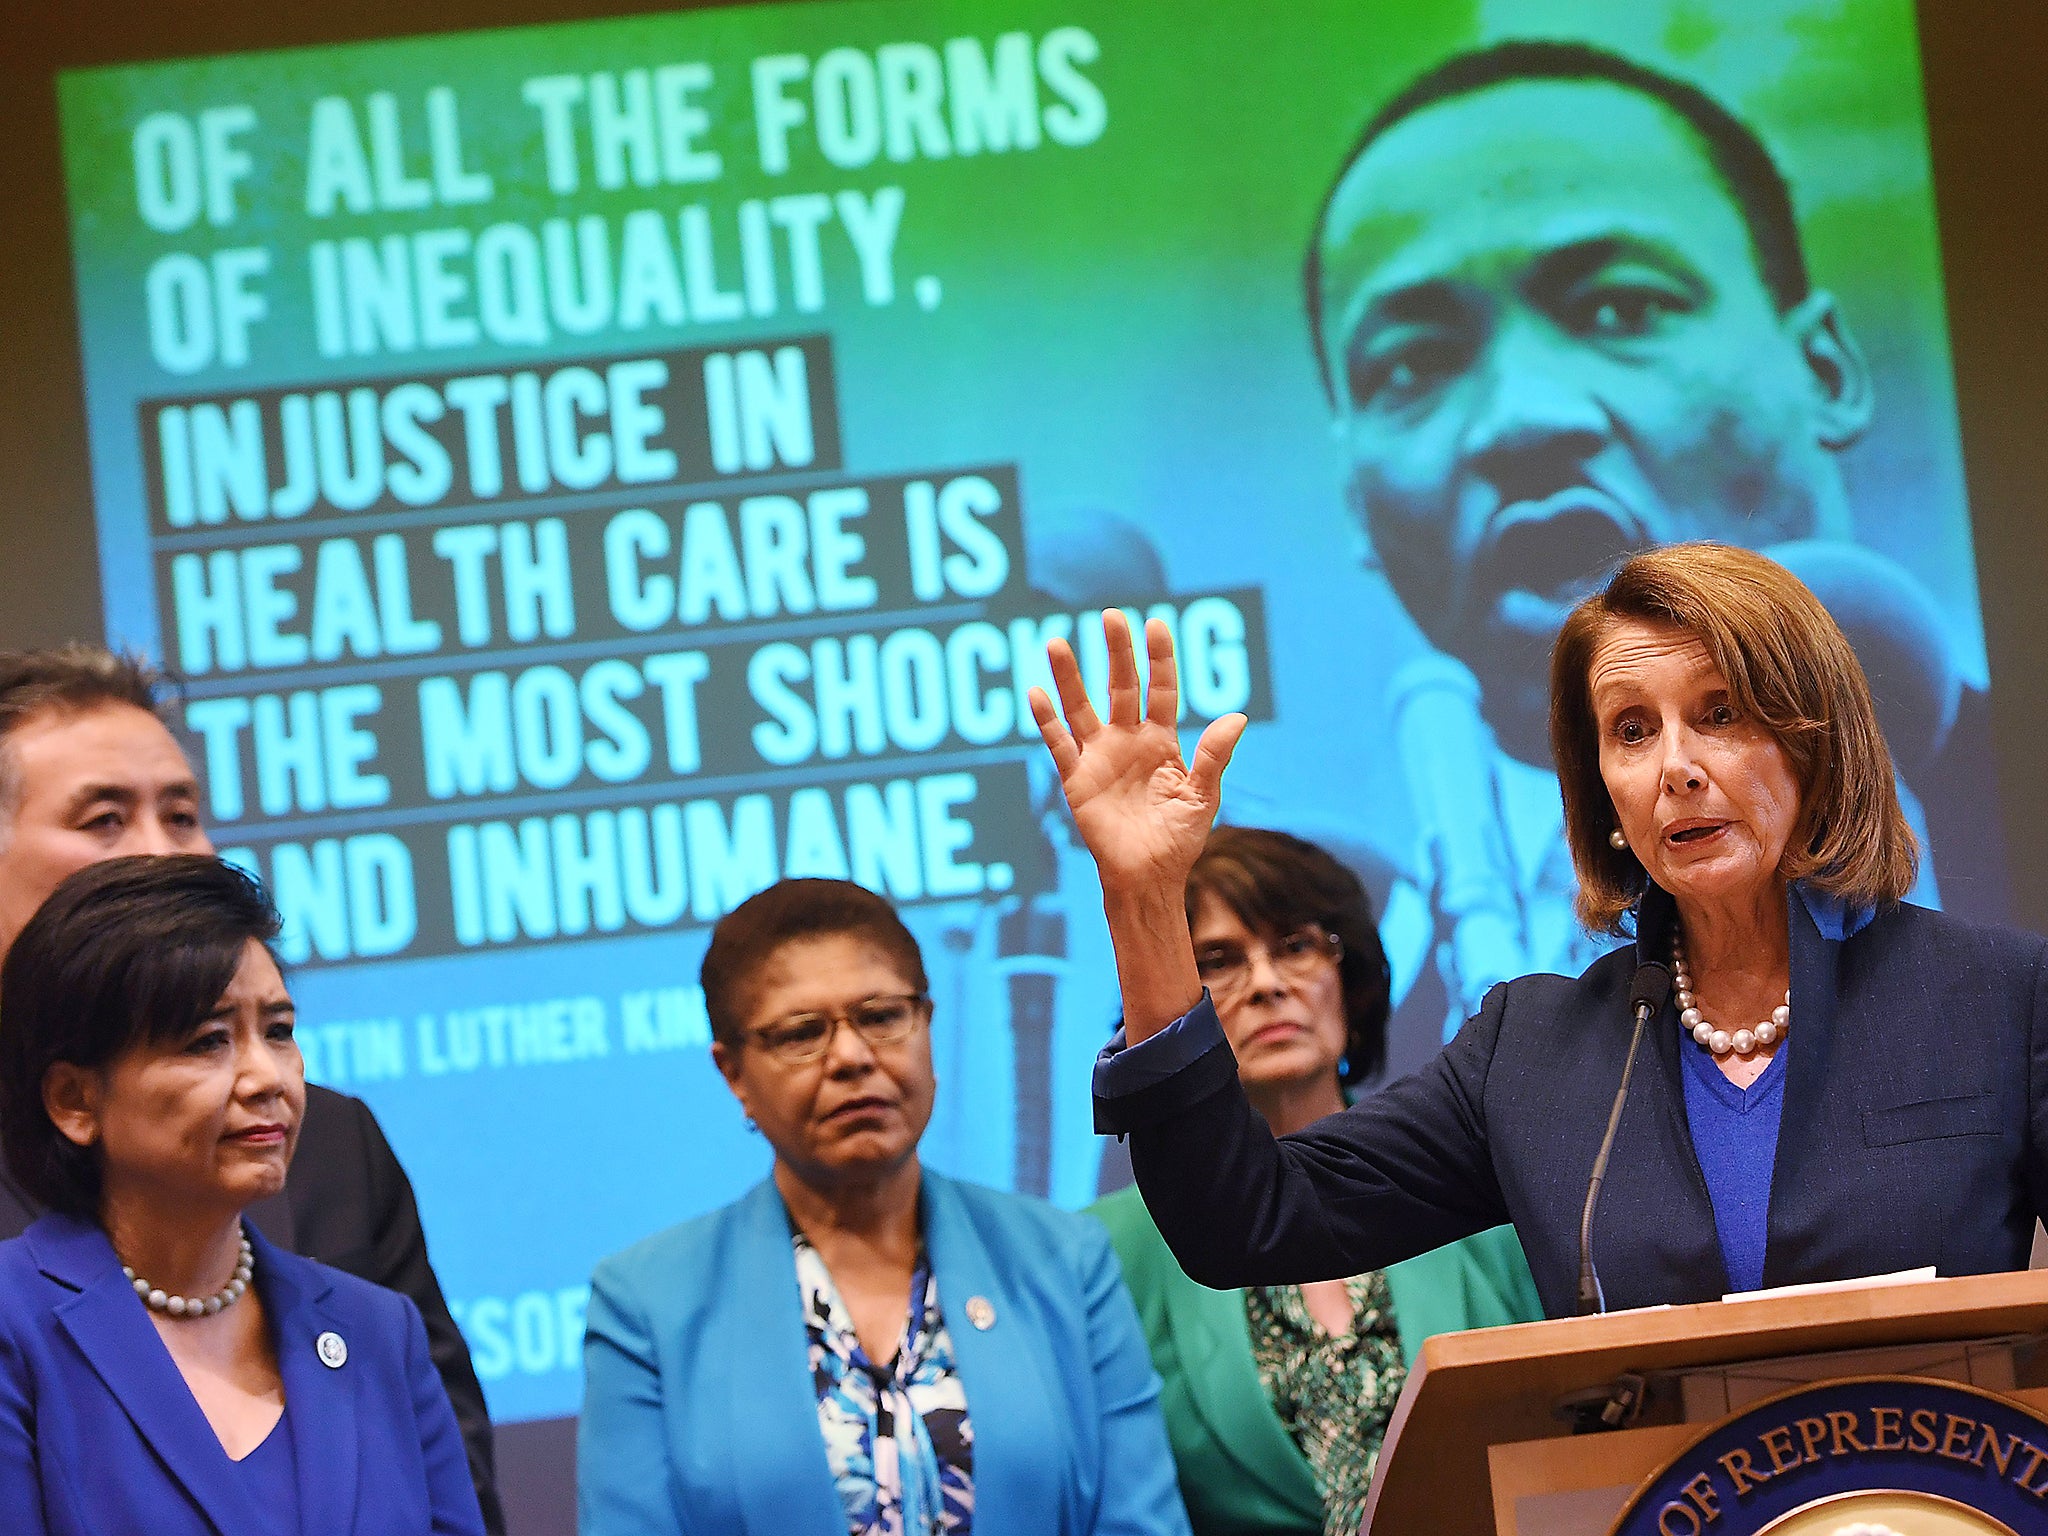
{"x":793,"y":909}
{"x":1276,"y":883}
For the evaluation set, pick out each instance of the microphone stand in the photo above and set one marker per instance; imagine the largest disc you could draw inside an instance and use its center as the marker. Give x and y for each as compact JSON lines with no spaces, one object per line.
{"x":1647,"y":993}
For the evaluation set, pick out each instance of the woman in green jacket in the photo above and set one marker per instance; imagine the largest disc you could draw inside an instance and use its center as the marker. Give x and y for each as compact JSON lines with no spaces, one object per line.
{"x":1277,"y":1397}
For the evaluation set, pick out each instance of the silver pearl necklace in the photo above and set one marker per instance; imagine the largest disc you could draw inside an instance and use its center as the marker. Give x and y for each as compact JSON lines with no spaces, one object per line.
{"x":158,"y":1300}
{"x":1721,"y":1041}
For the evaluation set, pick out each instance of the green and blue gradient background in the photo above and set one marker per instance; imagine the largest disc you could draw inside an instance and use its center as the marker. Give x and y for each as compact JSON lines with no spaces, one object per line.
{"x":1123,"y":320}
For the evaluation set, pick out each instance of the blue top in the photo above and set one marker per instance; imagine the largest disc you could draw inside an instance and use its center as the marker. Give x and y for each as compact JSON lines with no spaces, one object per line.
{"x":1735,"y":1133}
{"x":897,"y":1438}
{"x":700,"y":1409}
{"x":1735,"y":1130}
{"x":270,"y":1473}
{"x":99,"y":1432}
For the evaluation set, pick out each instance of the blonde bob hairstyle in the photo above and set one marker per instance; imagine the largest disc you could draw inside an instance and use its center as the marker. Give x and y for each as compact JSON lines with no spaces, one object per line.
{"x":1788,"y":667}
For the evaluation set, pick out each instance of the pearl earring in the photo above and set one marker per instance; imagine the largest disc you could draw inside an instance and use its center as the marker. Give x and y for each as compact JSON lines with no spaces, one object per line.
{"x":1617,"y":839}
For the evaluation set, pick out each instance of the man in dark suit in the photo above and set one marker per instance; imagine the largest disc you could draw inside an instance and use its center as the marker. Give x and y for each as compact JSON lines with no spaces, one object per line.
{"x":89,"y":771}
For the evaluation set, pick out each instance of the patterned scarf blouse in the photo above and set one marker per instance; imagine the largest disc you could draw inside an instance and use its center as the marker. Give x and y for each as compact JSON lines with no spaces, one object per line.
{"x":896,"y":1435}
{"x":1334,"y":1394}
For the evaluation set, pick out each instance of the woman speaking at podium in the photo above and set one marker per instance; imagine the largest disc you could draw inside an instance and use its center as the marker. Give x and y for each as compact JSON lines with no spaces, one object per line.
{"x":1831,"y":1082}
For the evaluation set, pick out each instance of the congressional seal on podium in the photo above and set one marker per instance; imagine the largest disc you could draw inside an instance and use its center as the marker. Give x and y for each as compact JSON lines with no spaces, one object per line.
{"x":1893,"y":1513}
{"x":1861,"y":1456}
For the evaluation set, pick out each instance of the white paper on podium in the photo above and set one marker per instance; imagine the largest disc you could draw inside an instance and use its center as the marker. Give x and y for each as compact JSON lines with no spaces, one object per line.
{"x":1817,"y":1287}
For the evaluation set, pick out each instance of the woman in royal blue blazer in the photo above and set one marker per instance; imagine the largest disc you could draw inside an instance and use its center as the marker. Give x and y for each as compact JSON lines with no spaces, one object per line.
{"x":858,"y":1346}
{"x":162,"y":1367}
{"x":1842,"y":1084}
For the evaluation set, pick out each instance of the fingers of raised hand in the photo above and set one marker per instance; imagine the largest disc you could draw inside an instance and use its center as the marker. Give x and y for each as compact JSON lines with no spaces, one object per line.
{"x":1162,"y":694}
{"x":1065,"y":753}
{"x":1212,"y":755}
{"x":1066,"y":677}
{"x":1124,"y":693}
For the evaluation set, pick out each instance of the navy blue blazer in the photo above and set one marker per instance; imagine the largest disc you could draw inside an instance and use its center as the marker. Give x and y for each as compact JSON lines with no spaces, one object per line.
{"x":99,"y":1433}
{"x":700,"y":1417}
{"x":1915,"y":1129}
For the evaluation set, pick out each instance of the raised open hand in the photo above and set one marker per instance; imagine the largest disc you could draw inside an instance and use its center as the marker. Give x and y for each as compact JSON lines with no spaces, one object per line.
{"x":1143,"y":813}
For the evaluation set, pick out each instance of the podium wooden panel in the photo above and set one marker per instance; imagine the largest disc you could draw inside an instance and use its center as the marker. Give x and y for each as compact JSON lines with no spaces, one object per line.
{"x":1471,"y":1391}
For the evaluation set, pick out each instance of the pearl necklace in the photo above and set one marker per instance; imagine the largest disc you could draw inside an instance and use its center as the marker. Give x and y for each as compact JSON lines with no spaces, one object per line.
{"x":1720,"y":1041}
{"x":156,"y":1300}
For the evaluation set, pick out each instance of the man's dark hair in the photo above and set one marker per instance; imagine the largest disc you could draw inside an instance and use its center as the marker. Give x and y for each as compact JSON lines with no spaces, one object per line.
{"x":1737,"y":155}
{"x":751,"y":932}
{"x":71,"y":677}
{"x":126,"y":952}
{"x":1275,"y":883}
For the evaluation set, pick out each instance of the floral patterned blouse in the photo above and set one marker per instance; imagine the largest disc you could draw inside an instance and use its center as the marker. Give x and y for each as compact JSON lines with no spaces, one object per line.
{"x":897,"y":1437}
{"x":1335,"y":1394}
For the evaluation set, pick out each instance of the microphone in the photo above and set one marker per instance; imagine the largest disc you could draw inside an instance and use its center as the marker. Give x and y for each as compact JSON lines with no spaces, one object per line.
{"x":1086,"y":561}
{"x":1446,"y":754}
{"x":1899,"y":634}
{"x":1647,"y":993}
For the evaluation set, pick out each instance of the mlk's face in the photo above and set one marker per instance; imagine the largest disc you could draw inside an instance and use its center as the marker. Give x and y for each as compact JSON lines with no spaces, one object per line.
{"x":1551,"y":345}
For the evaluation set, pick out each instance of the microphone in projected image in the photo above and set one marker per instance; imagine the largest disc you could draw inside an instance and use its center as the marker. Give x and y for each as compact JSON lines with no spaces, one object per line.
{"x":1081,"y":562}
{"x":1897,"y":631}
{"x":1447,"y":757}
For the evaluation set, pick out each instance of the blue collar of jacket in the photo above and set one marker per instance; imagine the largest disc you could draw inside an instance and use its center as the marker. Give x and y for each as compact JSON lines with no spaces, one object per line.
{"x":1832,"y":916}
{"x":754,"y":1366}
{"x":112,"y":1329}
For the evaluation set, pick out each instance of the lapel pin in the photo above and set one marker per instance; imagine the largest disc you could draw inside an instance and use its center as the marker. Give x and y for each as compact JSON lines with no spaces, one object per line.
{"x":981,"y":1312}
{"x":332,"y":1349}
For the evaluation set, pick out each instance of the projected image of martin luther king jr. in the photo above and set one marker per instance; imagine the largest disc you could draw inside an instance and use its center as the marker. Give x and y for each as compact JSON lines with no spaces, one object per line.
{"x":1563,"y":313}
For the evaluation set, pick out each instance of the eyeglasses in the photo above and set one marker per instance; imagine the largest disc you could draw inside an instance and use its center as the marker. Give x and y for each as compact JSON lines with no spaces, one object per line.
{"x":1226,"y":970}
{"x":805,"y":1037}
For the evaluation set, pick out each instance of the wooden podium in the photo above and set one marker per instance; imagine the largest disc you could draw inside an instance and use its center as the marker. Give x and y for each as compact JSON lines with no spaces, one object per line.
{"x":1477,"y":1446}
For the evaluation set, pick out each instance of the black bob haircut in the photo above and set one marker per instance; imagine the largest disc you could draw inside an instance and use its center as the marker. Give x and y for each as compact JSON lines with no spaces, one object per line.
{"x":1732,"y":147}
{"x":126,"y":952}
{"x":803,"y":908}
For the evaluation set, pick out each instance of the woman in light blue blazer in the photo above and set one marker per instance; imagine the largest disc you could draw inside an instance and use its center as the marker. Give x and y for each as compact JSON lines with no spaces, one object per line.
{"x":860,"y":1347}
{"x":162,"y":1367}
